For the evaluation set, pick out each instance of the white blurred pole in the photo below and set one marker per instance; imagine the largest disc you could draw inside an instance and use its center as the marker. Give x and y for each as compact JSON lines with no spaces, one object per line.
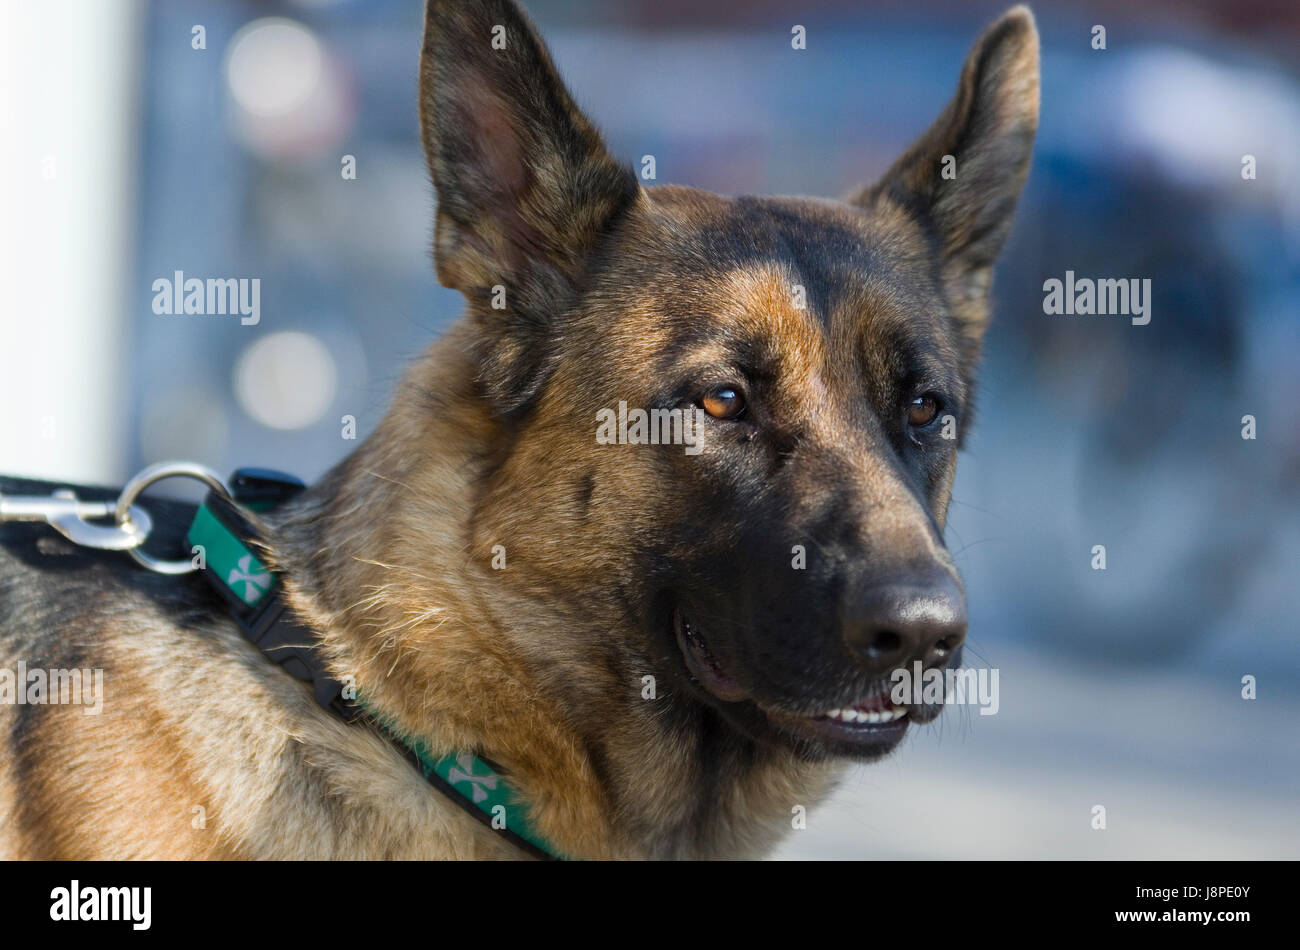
{"x":68,"y":127}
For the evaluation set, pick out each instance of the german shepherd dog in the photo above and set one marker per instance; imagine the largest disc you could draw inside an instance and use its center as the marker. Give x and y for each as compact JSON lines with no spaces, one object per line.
{"x":680,"y":648}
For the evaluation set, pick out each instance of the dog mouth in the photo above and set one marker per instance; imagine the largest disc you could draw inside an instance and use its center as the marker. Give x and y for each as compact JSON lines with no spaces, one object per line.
{"x":872,"y":724}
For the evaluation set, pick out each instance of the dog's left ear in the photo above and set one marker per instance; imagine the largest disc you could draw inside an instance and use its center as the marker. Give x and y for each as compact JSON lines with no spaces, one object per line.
{"x":525,"y":185}
{"x":965,"y":173}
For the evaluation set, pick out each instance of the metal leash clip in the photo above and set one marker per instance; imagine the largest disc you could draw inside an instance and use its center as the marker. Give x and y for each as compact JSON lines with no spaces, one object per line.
{"x":73,"y":518}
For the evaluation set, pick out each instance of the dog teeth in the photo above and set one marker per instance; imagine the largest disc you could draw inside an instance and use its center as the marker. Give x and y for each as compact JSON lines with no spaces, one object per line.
{"x":856,"y":715}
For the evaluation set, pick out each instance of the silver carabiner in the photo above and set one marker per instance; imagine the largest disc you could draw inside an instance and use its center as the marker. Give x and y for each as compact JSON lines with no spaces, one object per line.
{"x":71,"y":517}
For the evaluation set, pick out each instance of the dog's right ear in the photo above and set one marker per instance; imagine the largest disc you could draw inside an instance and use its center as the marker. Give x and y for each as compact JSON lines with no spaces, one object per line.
{"x":525,"y":185}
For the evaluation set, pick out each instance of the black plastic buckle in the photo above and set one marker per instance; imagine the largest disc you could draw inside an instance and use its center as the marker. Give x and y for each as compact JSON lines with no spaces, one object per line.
{"x":260,"y":489}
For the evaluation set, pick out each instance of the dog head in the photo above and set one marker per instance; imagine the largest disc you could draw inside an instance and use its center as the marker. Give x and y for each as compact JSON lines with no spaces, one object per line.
{"x":787,"y":558}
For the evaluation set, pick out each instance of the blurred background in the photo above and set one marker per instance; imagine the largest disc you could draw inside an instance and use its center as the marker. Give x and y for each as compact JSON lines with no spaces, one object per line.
{"x":133,"y":145}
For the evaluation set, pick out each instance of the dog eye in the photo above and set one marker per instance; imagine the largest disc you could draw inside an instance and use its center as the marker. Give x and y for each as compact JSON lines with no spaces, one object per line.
{"x":725,"y":402}
{"x":922,"y":411}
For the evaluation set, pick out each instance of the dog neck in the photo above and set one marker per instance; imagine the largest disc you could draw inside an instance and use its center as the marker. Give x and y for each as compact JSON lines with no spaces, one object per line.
{"x":380,"y":558}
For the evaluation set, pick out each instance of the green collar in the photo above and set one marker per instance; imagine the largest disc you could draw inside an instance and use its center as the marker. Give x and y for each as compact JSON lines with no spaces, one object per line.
{"x":220,"y":532}
{"x":471,"y":778}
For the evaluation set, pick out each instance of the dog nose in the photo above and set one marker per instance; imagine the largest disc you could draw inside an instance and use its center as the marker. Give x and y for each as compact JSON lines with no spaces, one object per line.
{"x":894,"y":623}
